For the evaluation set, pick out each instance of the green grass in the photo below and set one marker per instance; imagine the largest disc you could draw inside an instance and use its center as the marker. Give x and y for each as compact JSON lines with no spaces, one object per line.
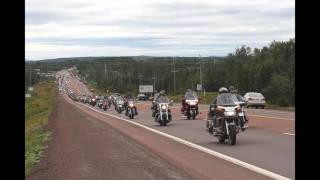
{"x":37,"y":110}
{"x":207,"y":99}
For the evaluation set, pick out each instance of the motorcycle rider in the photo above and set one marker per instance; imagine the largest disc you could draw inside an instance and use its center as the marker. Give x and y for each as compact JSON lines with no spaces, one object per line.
{"x":154,"y":105}
{"x":127,"y":98}
{"x":211,"y":114}
{"x":162,"y":94}
{"x":183,"y":103}
{"x":234,"y":91}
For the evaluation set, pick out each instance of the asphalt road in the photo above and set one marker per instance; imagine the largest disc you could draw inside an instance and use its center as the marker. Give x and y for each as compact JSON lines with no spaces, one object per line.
{"x":264,"y":144}
{"x":82,"y":147}
{"x":266,"y":149}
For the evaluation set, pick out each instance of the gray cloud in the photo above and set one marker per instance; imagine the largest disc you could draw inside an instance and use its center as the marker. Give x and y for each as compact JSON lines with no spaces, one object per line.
{"x":154,"y":27}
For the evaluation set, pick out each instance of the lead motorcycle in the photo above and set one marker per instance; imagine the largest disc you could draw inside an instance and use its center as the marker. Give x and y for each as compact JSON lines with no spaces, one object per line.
{"x":104,"y":105}
{"x":227,"y":118}
{"x":93,"y":101}
{"x":190,"y":108}
{"x":162,"y":111}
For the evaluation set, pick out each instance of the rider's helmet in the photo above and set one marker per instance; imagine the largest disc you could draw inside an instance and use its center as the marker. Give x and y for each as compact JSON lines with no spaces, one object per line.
{"x":223,"y":90}
{"x":189,"y":90}
{"x":162,"y":92}
{"x":231,"y":88}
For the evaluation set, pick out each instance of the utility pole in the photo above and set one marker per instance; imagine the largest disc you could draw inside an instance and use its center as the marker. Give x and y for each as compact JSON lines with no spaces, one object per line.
{"x":200,"y":72}
{"x":140,"y":76}
{"x":105,"y":70}
{"x":154,"y":82}
{"x":174,"y":76}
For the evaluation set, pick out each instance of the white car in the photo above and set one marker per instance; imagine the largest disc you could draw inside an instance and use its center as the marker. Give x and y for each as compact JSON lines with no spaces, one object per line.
{"x":254,"y":99}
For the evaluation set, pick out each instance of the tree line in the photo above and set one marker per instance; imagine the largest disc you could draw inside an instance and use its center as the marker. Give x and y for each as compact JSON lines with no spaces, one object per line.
{"x":269,"y":70}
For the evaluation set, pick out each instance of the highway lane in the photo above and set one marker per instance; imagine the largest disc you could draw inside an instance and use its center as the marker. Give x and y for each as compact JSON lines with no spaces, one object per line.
{"x":272,"y":151}
{"x":266,"y":149}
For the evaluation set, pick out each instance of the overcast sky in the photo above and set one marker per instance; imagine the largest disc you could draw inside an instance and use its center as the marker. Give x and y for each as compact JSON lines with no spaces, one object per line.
{"x":74,"y":28}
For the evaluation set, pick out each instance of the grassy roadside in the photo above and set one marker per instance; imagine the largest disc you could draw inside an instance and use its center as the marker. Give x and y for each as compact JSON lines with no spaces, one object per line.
{"x":207,"y":99}
{"x":37,"y":110}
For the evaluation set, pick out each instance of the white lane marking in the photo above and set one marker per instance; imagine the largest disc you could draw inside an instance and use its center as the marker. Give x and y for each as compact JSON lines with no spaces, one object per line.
{"x":289,"y":134}
{"x":203,"y":149}
{"x":271,"y":117}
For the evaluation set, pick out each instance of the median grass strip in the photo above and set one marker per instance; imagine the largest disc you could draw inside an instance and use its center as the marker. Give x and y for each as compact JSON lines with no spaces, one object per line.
{"x":37,"y":110}
{"x":204,"y":99}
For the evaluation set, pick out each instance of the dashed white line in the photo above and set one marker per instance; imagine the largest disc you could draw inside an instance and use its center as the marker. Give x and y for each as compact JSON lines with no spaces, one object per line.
{"x":290,"y":134}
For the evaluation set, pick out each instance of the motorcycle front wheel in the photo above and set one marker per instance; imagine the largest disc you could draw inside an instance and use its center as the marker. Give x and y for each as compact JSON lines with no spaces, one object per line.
{"x":193,"y":115}
{"x":221,"y":139}
{"x":232,"y":135}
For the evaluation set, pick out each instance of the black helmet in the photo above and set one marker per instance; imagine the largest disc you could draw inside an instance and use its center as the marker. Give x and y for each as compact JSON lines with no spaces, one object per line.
{"x":223,"y":90}
{"x":162,"y":92}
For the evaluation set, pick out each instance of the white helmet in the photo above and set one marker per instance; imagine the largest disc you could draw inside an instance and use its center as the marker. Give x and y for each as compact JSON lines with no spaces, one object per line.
{"x":223,"y":90}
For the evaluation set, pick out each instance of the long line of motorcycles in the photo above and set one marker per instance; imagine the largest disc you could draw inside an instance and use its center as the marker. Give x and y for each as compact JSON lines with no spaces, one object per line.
{"x":105,"y":102}
{"x":230,"y":118}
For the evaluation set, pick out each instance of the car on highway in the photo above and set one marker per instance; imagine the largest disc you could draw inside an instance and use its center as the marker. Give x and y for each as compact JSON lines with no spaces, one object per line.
{"x":254,"y":99}
{"x":142,"y":97}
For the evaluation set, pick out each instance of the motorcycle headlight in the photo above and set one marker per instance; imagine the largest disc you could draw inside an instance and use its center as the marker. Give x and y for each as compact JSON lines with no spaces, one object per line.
{"x":131,"y":104}
{"x":163,"y":107}
{"x":229,"y":113}
{"x":192,"y":103}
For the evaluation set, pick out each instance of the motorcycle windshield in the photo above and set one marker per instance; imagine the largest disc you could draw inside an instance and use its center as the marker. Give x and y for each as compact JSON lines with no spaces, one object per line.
{"x":120,"y":100}
{"x":191,"y":96}
{"x":163,"y":99}
{"x":227,"y":99}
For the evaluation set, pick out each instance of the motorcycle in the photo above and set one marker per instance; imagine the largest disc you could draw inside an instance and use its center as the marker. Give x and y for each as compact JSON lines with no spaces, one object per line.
{"x":131,"y":109}
{"x":104,"y":105}
{"x":190,"y":110}
{"x":100,"y":104}
{"x":227,"y":118}
{"x":93,"y":102}
{"x":119,"y":107}
{"x":244,"y":119}
{"x":162,"y":112}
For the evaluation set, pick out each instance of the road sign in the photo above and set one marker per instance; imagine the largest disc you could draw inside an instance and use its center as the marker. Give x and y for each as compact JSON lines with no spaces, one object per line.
{"x":199,"y":87}
{"x":30,"y":88}
{"x":146,"y":88}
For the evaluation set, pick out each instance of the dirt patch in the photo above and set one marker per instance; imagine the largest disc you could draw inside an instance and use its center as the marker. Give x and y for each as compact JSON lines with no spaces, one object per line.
{"x":82,"y":147}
